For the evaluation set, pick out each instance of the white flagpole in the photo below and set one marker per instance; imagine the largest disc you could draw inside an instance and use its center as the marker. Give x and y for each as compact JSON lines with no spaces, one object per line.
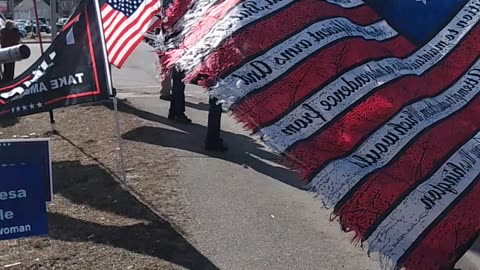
{"x":113,"y":95}
{"x":120,"y":142}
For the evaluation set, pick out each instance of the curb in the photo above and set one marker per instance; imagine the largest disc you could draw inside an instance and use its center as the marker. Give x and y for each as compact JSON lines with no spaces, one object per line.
{"x":33,"y":41}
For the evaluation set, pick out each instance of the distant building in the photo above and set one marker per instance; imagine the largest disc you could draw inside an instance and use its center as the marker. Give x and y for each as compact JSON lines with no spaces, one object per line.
{"x":66,"y":7}
{"x":3,"y":6}
{"x":25,"y":10}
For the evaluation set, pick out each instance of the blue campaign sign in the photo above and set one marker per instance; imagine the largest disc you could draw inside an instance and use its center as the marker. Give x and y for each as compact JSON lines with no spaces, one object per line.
{"x":23,"y":211}
{"x":31,"y":152}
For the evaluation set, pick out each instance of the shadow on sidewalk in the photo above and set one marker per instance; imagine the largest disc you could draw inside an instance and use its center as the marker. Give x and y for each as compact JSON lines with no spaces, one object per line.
{"x":243,"y":149}
{"x":198,"y":106}
{"x":94,"y":187}
{"x":476,"y":247}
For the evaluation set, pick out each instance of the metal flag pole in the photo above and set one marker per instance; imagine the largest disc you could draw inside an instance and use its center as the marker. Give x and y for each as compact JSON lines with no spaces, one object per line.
{"x":113,"y":95}
{"x":120,"y":141}
{"x":53,"y":22}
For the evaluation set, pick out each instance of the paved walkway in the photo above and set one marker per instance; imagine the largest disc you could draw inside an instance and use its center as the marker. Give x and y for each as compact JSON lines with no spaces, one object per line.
{"x":248,"y":211}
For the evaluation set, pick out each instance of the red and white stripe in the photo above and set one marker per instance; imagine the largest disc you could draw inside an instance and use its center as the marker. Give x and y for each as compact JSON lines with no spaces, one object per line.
{"x":123,"y":34}
{"x":335,"y":141}
{"x":234,"y":51}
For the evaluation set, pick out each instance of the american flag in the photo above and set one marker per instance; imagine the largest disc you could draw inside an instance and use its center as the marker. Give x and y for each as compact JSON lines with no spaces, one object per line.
{"x":125,"y":22}
{"x":375,"y":102}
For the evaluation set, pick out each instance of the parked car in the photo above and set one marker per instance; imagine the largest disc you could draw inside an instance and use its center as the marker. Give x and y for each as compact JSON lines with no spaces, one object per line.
{"x":21,"y":21}
{"x":41,"y":20}
{"x":28,"y":26}
{"x":61,"y":22}
{"x":21,"y":28}
{"x":43,"y":28}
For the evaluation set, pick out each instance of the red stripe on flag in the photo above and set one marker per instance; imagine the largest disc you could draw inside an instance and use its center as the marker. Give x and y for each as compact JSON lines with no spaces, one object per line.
{"x":334,"y":141}
{"x":126,"y":25}
{"x":175,"y":11}
{"x":394,"y":180}
{"x":208,"y":21}
{"x":92,"y":54}
{"x":450,"y":238}
{"x":134,"y":36}
{"x":271,"y":103}
{"x":70,"y":22}
{"x":241,"y":47}
{"x":11,"y":86}
{"x":114,"y":24}
{"x":385,"y":187}
{"x":108,"y":15}
{"x":130,"y":50}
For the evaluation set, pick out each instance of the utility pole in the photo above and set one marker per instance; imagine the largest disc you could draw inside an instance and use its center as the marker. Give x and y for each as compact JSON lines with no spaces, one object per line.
{"x":53,"y":22}
{"x":10,"y":8}
{"x":53,"y":18}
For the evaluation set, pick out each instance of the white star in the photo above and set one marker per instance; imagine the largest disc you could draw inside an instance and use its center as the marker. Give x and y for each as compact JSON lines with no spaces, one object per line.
{"x":24,"y":107}
{"x":18,"y":108}
{"x":39,"y":105}
{"x":423,"y":1}
{"x":32,"y":106}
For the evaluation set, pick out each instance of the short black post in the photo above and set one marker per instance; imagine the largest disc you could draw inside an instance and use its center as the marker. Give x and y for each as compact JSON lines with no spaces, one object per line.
{"x":52,"y":123}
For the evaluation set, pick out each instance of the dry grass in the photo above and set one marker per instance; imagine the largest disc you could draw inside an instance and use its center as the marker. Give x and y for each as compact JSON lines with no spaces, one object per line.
{"x":94,"y":223}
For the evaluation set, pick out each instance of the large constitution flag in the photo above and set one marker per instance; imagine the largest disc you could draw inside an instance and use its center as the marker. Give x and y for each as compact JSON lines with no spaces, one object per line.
{"x":375,"y":102}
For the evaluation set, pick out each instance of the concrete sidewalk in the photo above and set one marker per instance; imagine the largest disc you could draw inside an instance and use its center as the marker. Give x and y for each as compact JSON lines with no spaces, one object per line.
{"x":35,"y":41}
{"x":248,"y":212}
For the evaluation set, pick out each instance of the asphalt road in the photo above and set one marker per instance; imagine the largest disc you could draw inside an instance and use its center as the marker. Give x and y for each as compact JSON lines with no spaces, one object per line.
{"x":247,"y":211}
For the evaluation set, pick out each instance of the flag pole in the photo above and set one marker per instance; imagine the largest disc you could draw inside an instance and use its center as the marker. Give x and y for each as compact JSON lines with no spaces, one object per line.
{"x":53,"y":22}
{"x":39,"y":32}
{"x":35,"y":8}
{"x":120,"y":141}
{"x":113,"y":95}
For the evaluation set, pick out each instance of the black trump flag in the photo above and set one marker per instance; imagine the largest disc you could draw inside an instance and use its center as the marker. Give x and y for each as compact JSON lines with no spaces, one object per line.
{"x":73,"y":70}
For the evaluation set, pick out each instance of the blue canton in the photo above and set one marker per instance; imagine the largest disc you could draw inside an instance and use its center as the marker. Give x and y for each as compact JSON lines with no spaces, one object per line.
{"x":417,"y":20}
{"x":127,"y":7}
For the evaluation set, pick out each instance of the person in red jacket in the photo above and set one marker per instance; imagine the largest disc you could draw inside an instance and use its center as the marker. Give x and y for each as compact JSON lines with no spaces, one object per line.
{"x":9,"y":36}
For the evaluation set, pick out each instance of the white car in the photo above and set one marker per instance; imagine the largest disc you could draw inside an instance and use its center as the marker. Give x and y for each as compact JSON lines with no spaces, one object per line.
{"x":22,"y":21}
{"x":61,"y":22}
{"x":21,"y":28}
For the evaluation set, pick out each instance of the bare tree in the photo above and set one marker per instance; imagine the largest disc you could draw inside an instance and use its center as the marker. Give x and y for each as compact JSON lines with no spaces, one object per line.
{"x":66,"y":7}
